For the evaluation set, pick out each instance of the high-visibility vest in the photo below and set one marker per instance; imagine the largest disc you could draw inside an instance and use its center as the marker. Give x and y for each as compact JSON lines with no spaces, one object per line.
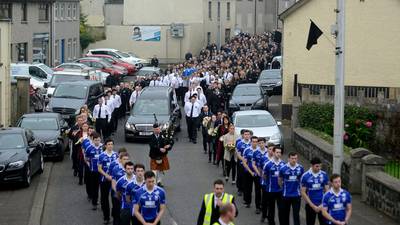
{"x":209,"y":207}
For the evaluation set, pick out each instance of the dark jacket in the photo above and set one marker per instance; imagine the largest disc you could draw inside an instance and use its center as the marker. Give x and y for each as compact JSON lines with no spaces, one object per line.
{"x":214,"y":214}
{"x":155,"y":145}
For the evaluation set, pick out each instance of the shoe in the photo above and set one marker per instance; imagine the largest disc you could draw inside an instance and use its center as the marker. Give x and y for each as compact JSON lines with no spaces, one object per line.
{"x":80,"y":182}
{"x":75,"y":173}
{"x":94,"y":207}
{"x":240,"y":193}
{"x":258,"y":211}
{"x":247,"y":205}
{"x":233,"y":182}
{"x":205,"y":151}
{"x":226,"y":179}
{"x":107,"y":221}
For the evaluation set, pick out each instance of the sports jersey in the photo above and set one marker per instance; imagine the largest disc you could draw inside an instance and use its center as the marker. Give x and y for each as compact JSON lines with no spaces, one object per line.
{"x":117,"y":172}
{"x":258,"y":157}
{"x":149,"y":202}
{"x":121,"y":187}
{"x":92,"y":154}
{"x":315,"y":183}
{"x":291,"y":177}
{"x":132,"y":188}
{"x":336,"y":204}
{"x":248,"y":155}
{"x":105,"y":160}
{"x":241,"y":146}
{"x":271,"y":172}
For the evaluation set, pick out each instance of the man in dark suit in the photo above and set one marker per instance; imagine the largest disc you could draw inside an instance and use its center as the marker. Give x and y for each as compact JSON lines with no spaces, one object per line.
{"x":209,"y":212}
{"x":158,"y":154}
{"x":205,"y":113}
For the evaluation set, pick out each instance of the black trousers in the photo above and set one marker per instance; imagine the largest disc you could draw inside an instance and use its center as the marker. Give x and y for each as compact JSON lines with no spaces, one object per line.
{"x":294,"y":203}
{"x":192,"y":127}
{"x":248,"y":187}
{"x":240,"y":177}
{"x":116,"y":210}
{"x":311,"y":216}
{"x":126,"y":217}
{"x":104,"y":199}
{"x":205,"y":138}
{"x":257,"y":191}
{"x":102,"y":127}
{"x":212,"y":150}
{"x":274,"y":198}
{"x":114,"y":119}
{"x":264,"y":203}
{"x":86,"y":179}
{"x":231,"y":165}
{"x":94,"y":182}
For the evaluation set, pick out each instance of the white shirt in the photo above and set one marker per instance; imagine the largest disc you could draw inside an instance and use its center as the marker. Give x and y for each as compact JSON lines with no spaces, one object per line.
{"x":174,"y":82}
{"x":196,"y":109}
{"x":154,"y":83}
{"x":216,"y":199}
{"x":188,"y":94}
{"x":134,"y":97}
{"x":110,"y":104}
{"x":117,"y":100}
{"x":201,"y":98}
{"x":227,"y":77}
{"x":105,"y":111}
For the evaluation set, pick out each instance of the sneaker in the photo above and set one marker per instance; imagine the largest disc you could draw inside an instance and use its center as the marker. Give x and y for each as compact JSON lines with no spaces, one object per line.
{"x":233,"y":182}
{"x":258,"y":211}
{"x":226,"y":179}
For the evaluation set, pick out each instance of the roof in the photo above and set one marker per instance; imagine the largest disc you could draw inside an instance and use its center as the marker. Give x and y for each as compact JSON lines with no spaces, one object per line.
{"x":155,"y":92}
{"x":248,"y":85}
{"x":41,"y":115}
{"x":103,"y":49}
{"x":11,"y":130}
{"x":82,"y":83}
{"x":252,"y":112}
{"x":292,"y":8}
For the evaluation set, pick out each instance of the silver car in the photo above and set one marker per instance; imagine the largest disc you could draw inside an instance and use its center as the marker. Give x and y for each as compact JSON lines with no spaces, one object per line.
{"x":261,"y":123}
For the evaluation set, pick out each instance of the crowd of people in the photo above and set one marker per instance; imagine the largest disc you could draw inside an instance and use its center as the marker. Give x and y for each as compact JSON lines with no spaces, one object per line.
{"x":203,"y":85}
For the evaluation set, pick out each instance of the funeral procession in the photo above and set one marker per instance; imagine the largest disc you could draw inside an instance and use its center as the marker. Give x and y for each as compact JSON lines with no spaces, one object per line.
{"x":207,"y":112}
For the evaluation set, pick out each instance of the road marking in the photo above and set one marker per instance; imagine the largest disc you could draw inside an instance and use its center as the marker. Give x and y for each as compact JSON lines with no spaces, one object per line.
{"x":40,"y":195}
{"x":173,"y":222}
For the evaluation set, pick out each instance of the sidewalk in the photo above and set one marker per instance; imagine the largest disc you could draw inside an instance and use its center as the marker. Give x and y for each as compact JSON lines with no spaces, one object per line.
{"x":363,"y":214}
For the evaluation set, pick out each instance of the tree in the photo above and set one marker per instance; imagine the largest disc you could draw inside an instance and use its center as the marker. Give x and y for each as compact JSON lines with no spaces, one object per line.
{"x":85,"y":37}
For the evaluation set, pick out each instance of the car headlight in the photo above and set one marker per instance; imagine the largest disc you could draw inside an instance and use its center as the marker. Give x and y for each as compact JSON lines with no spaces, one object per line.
{"x":129,"y":126}
{"x":52,"y":142}
{"x":276,"y":136}
{"x":279,"y":83}
{"x":16,"y":165}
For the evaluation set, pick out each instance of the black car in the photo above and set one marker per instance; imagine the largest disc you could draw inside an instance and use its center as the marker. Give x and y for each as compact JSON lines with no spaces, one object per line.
{"x":20,"y":155}
{"x":48,"y":128}
{"x":271,"y":81}
{"x":69,"y":97}
{"x":154,"y":103}
{"x":247,"y":97}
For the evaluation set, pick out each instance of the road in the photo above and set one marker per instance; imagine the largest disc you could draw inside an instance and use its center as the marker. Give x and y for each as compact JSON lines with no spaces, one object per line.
{"x":190,"y":177}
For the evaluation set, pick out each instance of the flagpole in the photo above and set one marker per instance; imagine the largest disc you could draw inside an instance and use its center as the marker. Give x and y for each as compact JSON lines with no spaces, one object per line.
{"x":339,"y":101}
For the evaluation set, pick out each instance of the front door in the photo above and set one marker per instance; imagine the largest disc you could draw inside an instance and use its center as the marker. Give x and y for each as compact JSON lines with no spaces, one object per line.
{"x":62,"y":50}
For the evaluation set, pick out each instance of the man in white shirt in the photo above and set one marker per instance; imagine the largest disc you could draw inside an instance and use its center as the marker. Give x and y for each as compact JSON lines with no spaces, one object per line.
{"x":102,"y":115}
{"x":117,"y":103}
{"x":154,"y":82}
{"x":134,"y":96}
{"x":227,"y":77}
{"x":189,"y":93}
{"x":192,"y":111}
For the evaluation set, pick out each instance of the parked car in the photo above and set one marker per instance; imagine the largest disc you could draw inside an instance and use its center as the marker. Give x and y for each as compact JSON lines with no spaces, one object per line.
{"x":48,"y":128}
{"x":278,"y":59}
{"x":69,"y":97}
{"x":117,"y":54}
{"x":158,"y":101}
{"x":148,"y":71}
{"x":39,"y":73}
{"x":104,"y":66}
{"x":246,"y":97}
{"x":117,"y":62}
{"x":271,"y":81}
{"x":20,"y":155}
{"x":82,"y":67}
{"x":261,"y":123}
{"x":143,"y":62}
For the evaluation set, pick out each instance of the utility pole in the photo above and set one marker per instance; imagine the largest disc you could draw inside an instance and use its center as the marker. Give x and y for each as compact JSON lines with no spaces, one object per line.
{"x":339,"y":88}
{"x":255,"y":17}
{"x":219,"y":25}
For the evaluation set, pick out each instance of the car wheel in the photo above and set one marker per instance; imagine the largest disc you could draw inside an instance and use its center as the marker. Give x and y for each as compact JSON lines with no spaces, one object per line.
{"x":41,"y":164}
{"x":27,"y":177}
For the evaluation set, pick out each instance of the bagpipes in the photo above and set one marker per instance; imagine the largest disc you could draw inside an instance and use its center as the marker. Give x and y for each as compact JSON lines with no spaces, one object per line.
{"x":167,"y":134}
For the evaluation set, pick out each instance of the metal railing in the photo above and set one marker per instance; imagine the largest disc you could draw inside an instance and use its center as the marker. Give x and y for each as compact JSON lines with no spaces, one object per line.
{"x":393,"y":168}
{"x":350,"y":91}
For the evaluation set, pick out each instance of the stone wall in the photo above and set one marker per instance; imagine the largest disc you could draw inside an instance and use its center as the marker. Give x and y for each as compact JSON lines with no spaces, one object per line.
{"x":383,"y":193}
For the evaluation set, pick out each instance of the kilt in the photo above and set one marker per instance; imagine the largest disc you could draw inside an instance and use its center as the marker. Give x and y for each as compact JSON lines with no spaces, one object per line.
{"x":160,"y":167}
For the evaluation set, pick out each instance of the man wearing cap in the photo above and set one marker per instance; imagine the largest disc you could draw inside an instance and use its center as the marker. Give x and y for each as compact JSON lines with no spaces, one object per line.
{"x":192,"y":111}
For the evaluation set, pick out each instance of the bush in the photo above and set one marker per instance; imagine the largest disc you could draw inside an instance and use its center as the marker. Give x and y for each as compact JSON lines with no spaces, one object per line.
{"x":359,"y":122}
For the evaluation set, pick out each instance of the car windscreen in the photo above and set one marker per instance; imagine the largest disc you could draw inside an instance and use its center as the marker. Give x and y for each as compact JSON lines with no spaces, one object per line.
{"x":123,"y":54}
{"x":47,"y":69}
{"x":151,"y":106}
{"x":246,"y":91}
{"x":255,"y":121}
{"x":19,"y":70}
{"x":62,"y":78}
{"x":270,"y":74}
{"x":70,"y":91}
{"x":39,"y":123}
{"x":11,"y":141}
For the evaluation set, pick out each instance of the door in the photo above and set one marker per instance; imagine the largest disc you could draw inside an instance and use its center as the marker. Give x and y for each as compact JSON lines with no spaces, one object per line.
{"x":62,"y":52}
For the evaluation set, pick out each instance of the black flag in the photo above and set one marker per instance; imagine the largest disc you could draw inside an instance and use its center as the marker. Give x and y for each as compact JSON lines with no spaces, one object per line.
{"x":313,"y":35}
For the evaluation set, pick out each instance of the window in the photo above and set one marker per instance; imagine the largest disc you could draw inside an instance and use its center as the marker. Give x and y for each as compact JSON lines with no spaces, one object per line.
{"x":5,"y":11}
{"x":219,"y":10}
{"x":74,"y":8}
{"x":227,"y":35}
{"x":22,"y":52}
{"x":44,"y":12}
{"x":68,"y":11}
{"x":74,"y":46}
{"x":69,"y":52}
{"x":56,"y":51}
{"x":24,"y":11}
{"x":209,"y":10}
{"x":57,"y":11}
{"x":208,"y":38}
{"x":228,"y":11}
{"x":62,"y":11}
